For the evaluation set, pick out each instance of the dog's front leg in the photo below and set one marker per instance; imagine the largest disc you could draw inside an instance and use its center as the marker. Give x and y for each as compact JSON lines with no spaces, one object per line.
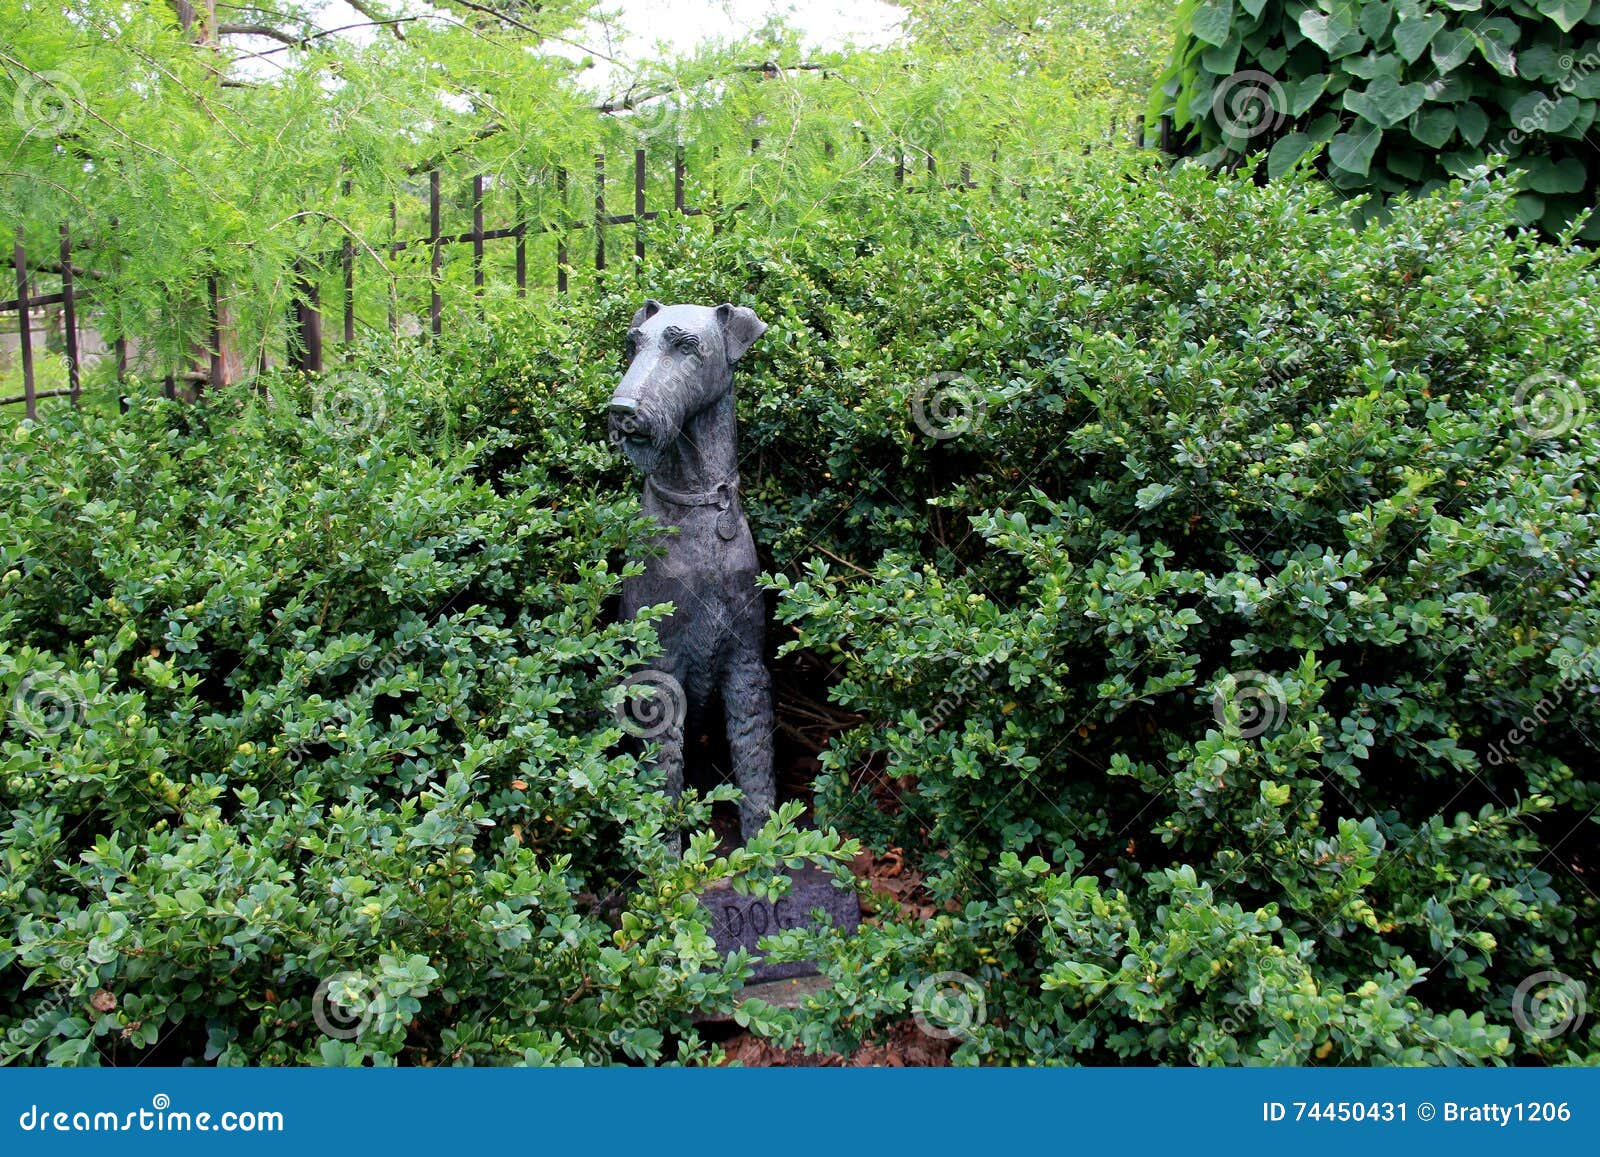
{"x":670,"y":761}
{"x":747,"y":702}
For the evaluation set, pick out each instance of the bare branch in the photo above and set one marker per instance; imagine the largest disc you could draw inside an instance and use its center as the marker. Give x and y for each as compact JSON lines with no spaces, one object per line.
{"x":371,"y":13}
{"x":266,"y":30}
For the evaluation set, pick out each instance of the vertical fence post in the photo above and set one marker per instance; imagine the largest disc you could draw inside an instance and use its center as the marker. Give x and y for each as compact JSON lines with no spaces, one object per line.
{"x":214,"y":291}
{"x":394,"y":253}
{"x":899,"y":167}
{"x":600,"y":211}
{"x":435,"y":306}
{"x":122,"y":372}
{"x":121,"y":345}
{"x":349,"y":257}
{"x":308,"y":321}
{"x":677,"y":179}
{"x":69,"y":314}
{"x":477,"y":235}
{"x":562,"y":225}
{"x":638,"y":213}
{"x":522,"y":247}
{"x":20,"y":260}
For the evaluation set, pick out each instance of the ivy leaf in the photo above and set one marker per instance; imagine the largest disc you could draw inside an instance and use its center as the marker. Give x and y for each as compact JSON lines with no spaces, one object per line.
{"x":1567,"y":175}
{"x":1374,"y":19}
{"x":1285,"y":151}
{"x":1212,"y":22}
{"x":1386,"y":102}
{"x":1323,"y":30}
{"x":1352,"y":151}
{"x":1433,"y":126}
{"x":1566,"y":13}
{"x":1300,"y":96}
{"x":1412,"y":37}
{"x":1500,"y":57}
{"x":1450,"y":49}
{"x":1471,"y":122}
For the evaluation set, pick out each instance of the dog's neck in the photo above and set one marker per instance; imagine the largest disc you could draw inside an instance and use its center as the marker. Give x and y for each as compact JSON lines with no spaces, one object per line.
{"x":704,"y":456}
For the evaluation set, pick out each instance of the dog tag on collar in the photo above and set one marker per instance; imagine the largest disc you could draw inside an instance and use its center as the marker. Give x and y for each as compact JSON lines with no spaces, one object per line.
{"x":728,"y":520}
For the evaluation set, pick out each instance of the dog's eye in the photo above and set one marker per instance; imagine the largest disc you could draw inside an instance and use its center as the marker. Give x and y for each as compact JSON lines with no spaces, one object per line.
{"x":688,"y":344}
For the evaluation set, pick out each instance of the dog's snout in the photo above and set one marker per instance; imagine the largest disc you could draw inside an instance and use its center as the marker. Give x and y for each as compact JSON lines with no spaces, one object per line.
{"x":624,"y":407}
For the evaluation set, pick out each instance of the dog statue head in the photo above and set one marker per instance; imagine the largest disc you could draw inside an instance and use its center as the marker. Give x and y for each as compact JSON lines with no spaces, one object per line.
{"x":680,"y":366}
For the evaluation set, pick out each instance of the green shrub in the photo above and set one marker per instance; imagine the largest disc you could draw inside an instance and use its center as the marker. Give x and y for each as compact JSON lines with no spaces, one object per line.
{"x":1405,"y":94}
{"x":1195,"y":670}
{"x":1220,"y":635}
{"x":310,"y":752}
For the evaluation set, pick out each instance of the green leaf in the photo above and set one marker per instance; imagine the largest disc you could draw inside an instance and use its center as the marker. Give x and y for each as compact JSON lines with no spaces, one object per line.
{"x":1254,"y":7}
{"x":1471,"y":122}
{"x":1450,"y":49}
{"x":1535,"y":112}
{"x":1566,"y":13}
{"x":1212,"y":22}
{"x":1352,"y":151}
{"x":1499,"y":56}
{"x":1385,"y":102}
{"x":1221,"y":60}
{"x":1303,"y":93}
{"x":1285,"y":151}
{"x":1374,"y":19}
{"x":1374,"y":65}
{"x":1434,"y":125}
{"x":1328,"y":33}
{"x":1323,"y":127}
{"x":1567,"y":175}
{"x":1412,"y":37}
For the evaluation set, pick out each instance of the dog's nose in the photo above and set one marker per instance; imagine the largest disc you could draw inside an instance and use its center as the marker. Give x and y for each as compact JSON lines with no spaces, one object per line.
{"x":624,"y":407}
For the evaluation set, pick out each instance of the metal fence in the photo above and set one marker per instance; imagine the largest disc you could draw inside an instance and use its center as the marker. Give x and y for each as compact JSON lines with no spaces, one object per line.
{"x":305,"y":326}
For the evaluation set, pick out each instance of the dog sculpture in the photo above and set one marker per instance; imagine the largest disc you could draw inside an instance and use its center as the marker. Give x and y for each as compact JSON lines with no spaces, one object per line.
{"x":672,"y":415}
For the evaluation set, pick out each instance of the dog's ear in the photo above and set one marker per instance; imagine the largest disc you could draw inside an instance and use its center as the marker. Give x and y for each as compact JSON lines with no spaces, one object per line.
{"x":649,"y":309}
{"x":740,"y":329}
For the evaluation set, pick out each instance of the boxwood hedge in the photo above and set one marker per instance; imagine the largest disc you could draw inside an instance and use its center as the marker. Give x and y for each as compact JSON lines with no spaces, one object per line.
{"x":1208,"y":579}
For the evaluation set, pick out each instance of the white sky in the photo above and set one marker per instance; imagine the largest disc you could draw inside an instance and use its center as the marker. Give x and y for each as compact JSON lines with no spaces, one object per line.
{"x":646,"y":25}
{"x":639,"y":28}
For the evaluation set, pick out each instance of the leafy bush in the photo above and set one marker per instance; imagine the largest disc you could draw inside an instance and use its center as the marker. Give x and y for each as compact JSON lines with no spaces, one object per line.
{"x":1230,"y":673}
{"x":310,"y":753}
{"x":1210,"y":579}
{"x":1405,"y":94}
